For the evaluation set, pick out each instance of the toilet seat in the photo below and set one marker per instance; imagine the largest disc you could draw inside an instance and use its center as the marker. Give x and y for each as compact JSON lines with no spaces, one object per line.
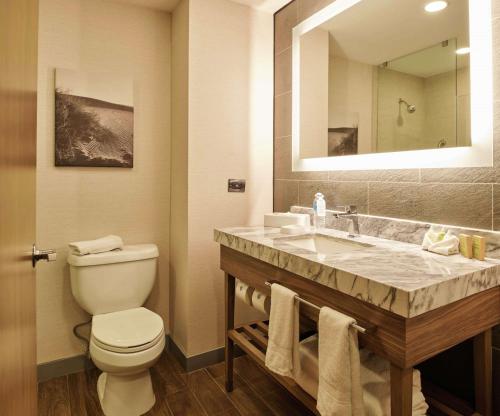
{"x":128,"y":331}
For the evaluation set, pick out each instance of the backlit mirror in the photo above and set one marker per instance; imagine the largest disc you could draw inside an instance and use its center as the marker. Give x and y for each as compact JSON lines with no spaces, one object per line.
{"x":382,"y":76}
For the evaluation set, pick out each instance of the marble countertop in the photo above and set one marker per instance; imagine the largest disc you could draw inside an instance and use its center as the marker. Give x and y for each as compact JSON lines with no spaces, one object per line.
{"x":395,"y":276}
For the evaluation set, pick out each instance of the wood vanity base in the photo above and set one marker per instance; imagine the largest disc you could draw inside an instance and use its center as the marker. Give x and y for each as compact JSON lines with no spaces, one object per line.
{"x":405,"y":342}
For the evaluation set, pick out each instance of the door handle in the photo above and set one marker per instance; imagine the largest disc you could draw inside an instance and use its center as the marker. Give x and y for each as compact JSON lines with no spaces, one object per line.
{"x":46,"y":255}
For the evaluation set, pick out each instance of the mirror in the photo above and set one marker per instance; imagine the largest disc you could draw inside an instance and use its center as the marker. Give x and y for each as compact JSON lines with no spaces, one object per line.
{"x":382,"y":76}
{"x":386,"y":76}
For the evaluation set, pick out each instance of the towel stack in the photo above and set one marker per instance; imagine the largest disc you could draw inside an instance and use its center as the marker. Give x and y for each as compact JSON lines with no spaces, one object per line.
{"x":375,"y":380}
{"x":101,"y":245}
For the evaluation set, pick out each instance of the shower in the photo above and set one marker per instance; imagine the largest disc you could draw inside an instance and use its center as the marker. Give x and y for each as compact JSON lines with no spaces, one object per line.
{"x":409,"y":107}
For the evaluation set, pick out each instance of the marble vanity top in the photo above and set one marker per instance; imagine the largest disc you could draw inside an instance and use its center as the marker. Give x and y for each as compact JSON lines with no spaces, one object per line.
{"x":393,"y":275}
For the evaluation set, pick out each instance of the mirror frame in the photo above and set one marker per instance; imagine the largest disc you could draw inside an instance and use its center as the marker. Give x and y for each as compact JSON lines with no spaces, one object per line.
{"x":480,"y":154}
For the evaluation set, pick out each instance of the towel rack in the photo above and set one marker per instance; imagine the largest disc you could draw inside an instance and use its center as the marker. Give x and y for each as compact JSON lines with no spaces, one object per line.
{"x":312,"y":305}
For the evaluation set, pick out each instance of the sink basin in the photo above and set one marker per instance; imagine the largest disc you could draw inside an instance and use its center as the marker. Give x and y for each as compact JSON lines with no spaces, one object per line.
{"x":325,"y":245}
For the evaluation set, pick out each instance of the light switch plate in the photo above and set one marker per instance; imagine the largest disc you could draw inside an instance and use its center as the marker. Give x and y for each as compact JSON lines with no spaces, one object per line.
{"x":236,"y":185}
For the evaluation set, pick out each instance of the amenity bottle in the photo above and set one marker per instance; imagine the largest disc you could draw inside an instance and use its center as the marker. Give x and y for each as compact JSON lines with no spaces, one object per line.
{"x":319,"y":207}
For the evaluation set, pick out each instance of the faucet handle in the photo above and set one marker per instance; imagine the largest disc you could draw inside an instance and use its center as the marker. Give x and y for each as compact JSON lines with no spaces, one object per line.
{"x":348,"y":209}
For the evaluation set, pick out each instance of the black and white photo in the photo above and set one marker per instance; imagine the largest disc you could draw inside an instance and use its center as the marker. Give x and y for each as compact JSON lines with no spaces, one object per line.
{"x":94,"y":119}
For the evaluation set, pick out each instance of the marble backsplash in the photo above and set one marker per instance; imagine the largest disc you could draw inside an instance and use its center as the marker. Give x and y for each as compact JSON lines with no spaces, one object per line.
{"x":406,"y":231}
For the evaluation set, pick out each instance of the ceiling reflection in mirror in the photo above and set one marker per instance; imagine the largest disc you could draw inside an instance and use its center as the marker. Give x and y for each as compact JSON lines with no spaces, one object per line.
{"x":386,"y":76}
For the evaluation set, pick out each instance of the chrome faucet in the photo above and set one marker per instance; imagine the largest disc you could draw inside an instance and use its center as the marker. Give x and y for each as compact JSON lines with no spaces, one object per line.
{"x":351,"y":213}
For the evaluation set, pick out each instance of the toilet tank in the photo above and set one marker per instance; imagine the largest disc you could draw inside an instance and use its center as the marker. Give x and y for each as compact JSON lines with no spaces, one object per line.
{"x":115,"y":280}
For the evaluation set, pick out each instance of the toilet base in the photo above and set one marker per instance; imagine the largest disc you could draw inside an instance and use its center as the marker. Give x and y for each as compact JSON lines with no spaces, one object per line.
{"x":125,"y":395}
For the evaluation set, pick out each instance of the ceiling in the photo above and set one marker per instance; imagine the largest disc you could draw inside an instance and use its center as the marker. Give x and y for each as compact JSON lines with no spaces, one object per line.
{"x":166,"y":5}
{"x":270,"y":6}
{"x":374,"y":32}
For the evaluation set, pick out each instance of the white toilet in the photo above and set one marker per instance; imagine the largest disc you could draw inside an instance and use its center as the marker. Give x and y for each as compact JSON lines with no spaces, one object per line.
{"x":126,"y":339}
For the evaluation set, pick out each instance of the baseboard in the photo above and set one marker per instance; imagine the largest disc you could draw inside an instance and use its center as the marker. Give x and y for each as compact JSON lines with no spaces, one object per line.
{"x":203,"y":360}
{"x":71,"y":365}
{"x":63,"y":367}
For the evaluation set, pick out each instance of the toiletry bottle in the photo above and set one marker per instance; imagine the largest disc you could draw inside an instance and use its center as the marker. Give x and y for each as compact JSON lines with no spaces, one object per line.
{"x":319,"y":207}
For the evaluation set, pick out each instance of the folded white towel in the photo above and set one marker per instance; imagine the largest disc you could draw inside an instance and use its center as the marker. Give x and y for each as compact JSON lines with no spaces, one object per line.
{"x":282,"y":355}
{"x":375,"y":380}
{"x":101,"y":245}
{"x":438,"y":241}
{"x":433,"y":235}
{"x":339,"y":384}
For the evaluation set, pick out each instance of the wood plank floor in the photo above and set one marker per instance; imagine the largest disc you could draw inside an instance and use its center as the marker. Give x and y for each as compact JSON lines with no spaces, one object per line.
{"x":199,"y":393}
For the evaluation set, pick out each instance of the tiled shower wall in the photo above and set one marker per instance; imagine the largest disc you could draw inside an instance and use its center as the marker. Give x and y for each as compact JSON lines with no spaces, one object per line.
{"x":467,"y":197}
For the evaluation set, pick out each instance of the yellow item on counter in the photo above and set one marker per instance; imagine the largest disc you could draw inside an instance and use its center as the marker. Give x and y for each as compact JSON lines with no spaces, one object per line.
{"x":465,"y":245}
{"x":478,"y":247}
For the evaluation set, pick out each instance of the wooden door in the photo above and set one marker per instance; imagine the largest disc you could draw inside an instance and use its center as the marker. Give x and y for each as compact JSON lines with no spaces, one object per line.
{"x":18,"y":78}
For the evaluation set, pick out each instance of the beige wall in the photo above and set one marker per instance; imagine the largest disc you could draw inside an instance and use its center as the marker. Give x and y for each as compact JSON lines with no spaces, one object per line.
{"x":229,"y":135}
{"x":351,"y":98}
{"x":314,"y":83}
{"x":179,"y":294}
{"x":85,"y":203}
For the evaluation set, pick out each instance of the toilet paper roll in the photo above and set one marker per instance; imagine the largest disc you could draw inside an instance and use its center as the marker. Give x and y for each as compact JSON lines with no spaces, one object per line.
{"x":244,"y":292}
{"x":261,"y":302}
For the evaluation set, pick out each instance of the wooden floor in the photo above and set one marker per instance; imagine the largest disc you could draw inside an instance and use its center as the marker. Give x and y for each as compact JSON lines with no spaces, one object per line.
{"x":179,"y":393}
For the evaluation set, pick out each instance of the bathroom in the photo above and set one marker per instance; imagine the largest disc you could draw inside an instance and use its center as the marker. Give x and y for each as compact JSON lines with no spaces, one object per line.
{"x":227,"y":111}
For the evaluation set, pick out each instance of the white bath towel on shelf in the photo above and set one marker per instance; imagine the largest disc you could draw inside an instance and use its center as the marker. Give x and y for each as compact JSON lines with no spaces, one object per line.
{"x":101,"y":245}
{"x":282,"y":355}
{"x":339,"y":384}
{"x":375,"y":380}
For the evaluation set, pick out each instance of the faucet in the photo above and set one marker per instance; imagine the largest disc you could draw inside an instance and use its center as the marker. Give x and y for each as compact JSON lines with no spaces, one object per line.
{"x":351,"y":213}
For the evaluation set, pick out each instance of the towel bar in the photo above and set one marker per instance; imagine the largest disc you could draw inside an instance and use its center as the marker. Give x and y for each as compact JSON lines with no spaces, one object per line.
{"x":312,"y":305}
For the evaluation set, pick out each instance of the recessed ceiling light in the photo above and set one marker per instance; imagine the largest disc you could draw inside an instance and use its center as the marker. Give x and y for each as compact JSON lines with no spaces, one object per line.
{"x":436,"y":6}
{"x":463,"y":51}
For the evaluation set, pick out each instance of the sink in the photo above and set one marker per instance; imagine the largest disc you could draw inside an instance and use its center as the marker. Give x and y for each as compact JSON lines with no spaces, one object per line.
{"x":325,"y":245}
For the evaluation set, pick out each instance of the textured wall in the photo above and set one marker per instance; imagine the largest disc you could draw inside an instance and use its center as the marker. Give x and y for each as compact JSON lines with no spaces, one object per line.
{"x":222,"y":131}
{"x":84,"y":203}
{"x":466,"y":197}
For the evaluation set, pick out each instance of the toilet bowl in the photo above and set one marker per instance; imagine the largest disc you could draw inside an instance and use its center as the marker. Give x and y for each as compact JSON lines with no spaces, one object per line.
{"x":124,"y":345}
{"x":126,"y":338}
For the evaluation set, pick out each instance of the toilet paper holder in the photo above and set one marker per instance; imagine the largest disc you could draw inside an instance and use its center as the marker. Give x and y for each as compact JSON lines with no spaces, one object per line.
{"x":359,"y":328}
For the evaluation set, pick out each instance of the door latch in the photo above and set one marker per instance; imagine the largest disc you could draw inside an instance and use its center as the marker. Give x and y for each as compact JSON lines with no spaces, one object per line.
{"x":46,"y":255}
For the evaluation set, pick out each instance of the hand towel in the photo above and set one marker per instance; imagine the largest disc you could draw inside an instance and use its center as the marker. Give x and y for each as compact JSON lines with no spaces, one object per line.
{"x":101,"y":245}
{"x":447,"y":246}
{"x":375,"y":380}
{"x":433,"y":235}
{"x":339,"y":384}
{"x":282,"y":355}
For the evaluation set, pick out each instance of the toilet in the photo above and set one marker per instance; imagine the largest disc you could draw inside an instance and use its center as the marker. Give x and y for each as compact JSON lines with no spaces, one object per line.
{"x":126,"y":338}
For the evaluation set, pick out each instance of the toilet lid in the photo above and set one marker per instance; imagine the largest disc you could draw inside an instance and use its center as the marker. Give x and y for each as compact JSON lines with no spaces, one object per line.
{"x":127,"y":329}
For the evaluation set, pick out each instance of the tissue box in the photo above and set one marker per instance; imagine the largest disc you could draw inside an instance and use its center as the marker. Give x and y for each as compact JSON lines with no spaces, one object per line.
{"x":279,"y":219}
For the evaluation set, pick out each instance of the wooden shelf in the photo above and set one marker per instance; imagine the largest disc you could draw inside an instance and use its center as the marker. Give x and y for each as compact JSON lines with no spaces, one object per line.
{"x":253,"y":340}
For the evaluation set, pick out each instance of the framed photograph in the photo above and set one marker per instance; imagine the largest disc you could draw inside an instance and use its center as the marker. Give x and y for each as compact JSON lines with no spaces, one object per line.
{"x":94,"y":119}
{"x":343,"y":141}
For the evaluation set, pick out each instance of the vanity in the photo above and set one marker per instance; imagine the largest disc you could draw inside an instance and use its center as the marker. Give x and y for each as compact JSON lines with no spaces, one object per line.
{"x":409,"y":304}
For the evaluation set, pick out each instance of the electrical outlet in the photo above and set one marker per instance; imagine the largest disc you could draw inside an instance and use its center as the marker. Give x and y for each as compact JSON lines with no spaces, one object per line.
{"x":236,"y":185}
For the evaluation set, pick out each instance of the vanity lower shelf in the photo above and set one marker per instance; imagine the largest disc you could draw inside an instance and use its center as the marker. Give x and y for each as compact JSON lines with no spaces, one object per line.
{"x":252,"y":340}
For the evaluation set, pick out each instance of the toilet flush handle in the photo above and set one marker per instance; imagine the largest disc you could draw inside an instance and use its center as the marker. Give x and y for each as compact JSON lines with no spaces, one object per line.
{"x":47,"y":255}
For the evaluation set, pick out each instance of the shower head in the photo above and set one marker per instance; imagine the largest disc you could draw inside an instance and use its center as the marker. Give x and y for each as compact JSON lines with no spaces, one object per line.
{"x":409,"y":107}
